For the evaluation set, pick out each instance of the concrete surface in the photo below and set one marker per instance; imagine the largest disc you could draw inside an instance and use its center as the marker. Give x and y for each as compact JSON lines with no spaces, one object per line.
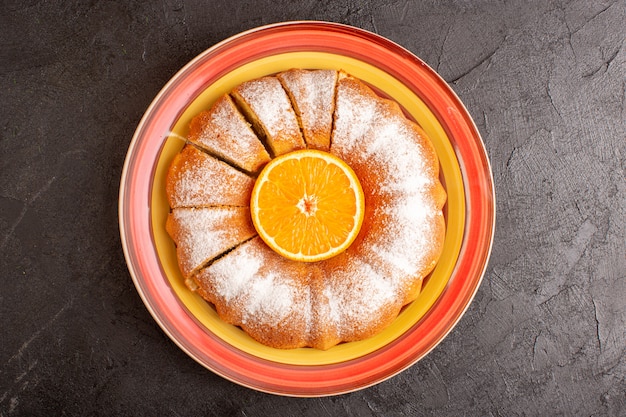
{"x":545,"y":82}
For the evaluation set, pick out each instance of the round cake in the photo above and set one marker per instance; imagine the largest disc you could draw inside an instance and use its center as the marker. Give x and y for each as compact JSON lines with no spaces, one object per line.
{"x":284,"y":303}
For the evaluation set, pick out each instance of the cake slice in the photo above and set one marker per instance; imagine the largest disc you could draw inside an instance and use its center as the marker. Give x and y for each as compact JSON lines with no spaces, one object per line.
{"x":202,"y":234}
{"x":312,"y":94}
{"x":196,"y":179}
{"x":224,"y":132}
{"x":266,"y":104}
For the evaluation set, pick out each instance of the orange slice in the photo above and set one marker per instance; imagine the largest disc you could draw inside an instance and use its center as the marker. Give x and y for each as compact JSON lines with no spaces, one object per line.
{"x":307,"y":205}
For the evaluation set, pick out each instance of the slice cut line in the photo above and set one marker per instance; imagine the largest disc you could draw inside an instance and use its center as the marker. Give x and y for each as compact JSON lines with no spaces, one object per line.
{"x":312,"y":95}
{"x":197,"y":179}
{"x":267,"y":107}
{"x":307,"y":205}
{"x":201,"y":234}
{"x":223,"y":132}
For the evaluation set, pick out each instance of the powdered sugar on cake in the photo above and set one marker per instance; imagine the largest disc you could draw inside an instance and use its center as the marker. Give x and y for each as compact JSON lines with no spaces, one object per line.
{"x":241,"y":276}
{"x":388,"y":151}
{"x":312,"y":94}
{"x":197,"y":179}
{"x":355,"y":294}
{"x":270,"y":106}
{"x":201,"y":234}
{"x":259,"y":289}
{"x":224,"y":132}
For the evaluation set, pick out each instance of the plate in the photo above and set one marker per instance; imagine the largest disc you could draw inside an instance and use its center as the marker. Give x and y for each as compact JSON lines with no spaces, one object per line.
{"x":392,"y":71}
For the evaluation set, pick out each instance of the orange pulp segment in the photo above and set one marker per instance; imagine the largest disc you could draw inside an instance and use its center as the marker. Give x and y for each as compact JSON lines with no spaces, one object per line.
{"x":307,"y":205}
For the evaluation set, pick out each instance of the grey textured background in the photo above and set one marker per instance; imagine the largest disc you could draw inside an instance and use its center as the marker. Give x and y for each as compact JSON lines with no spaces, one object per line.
{"x":545,"y":82}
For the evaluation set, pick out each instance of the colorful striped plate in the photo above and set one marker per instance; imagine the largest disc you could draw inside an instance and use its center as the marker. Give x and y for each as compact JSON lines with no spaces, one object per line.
{"x":194,"y":324}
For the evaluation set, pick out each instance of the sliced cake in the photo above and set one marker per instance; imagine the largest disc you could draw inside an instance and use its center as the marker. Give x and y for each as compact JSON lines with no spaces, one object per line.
{"x":267,"y":106}
{"x":196,"y":179}
{"x":201,"y":234}
{"x":312,"y":93}
{"x":224,"y":132}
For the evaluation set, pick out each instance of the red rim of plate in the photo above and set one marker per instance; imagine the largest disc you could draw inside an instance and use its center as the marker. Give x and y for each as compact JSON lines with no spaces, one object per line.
{"x":144,"y":264}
